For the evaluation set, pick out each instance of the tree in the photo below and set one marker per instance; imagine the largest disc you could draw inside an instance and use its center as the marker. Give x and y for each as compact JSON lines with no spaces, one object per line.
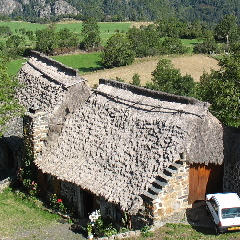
{"x":46,"y":40}
{"x":91,"y":34}
{"x":222,"y":90}
{"x":67,"y":39}
{"x":117,"y":52}
{"x":227,"y":30}
{"x":145,"y":40}
{"x":8,"y":104}
{"x":207,"y":46}
{"x":15,"y":41}
{"x":173,"y":46}
{"x":166,"y":78}
{"x":5,"y":31}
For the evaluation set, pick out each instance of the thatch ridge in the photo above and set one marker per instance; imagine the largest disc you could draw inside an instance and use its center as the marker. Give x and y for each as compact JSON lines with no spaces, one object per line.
{"x":67,"y":70}
{"x":153,"y":93}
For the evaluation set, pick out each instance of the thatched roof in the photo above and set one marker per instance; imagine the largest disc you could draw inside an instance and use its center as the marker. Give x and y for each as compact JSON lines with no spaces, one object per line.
{"x":45,"y":82}
{"x":123,"y":137}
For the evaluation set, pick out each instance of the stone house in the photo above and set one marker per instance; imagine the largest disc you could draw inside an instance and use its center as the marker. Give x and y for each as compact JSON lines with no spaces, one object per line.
{"x":119,"y":148}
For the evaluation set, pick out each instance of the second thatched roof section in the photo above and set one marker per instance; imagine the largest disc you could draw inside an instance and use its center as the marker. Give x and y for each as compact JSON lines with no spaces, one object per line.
{"x":124,"y":137}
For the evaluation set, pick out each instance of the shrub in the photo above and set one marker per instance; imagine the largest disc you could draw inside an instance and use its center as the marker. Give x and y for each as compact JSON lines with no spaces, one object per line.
{"x":117,"y":52}
{"x":172,"y":46}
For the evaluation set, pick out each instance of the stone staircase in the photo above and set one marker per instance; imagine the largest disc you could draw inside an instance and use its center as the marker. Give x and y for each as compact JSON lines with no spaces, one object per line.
{"x":162,"y":180}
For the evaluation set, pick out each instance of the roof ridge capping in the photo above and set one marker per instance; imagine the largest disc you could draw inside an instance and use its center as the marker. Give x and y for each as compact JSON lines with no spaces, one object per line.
{"x":49,"y":61}
{"x":154,"y":94}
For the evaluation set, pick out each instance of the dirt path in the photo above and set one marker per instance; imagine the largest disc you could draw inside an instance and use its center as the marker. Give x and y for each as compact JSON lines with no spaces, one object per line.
{"x":194,"y":65}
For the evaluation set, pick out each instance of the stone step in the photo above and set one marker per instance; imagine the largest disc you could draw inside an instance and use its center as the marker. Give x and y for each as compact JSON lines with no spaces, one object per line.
{"x":156,"y":190}
{"x":170,"y":170}
{"x":176,"y":165}
{"x":162,"y":184}
{"x":149,"y":195}
{"x":164,"y":176}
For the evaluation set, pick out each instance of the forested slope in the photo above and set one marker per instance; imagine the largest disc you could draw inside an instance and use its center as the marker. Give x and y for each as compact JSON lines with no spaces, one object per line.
{"x":119,"y":10}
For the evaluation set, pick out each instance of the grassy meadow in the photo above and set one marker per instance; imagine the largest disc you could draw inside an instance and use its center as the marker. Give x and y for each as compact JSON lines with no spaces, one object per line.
{"x":21,"y":215}
{"x":106,"y":28}
{"x":85,"y":62}
{"x":24,"y":219}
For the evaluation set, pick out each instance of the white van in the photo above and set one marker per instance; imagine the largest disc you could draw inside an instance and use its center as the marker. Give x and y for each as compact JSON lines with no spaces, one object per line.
{"x":225,"y":211}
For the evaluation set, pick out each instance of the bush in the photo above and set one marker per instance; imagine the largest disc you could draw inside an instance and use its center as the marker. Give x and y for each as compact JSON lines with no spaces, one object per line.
{"x":206,"y":47}
{"x":136,"y":80}
{"x":118,"y":52}
{"x":169,"y":79}
{"x":172,"y":46}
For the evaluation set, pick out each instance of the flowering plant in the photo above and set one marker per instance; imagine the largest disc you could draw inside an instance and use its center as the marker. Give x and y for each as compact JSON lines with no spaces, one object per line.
{"x":57,"y":204}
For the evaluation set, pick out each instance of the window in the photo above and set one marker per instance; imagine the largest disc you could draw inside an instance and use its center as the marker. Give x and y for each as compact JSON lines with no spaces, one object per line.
{"x":230,"y":212}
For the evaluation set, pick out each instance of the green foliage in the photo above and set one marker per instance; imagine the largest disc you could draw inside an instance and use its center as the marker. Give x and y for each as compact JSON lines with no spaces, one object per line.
{"x":56,"y":204}
{"x":15,"y":41}
{"x":67,"y":39}
{"x":169,"y":27}
{"x":226,"y":30}
{"x":9,"y":106}
{"x":145,"y":231}
{"x":145,"y":40}
{"x":5,"y":31}
{"x":104,"y":228}
{"x":119,"y":79}
{"x":49,"y":40}
{"x":222,"y":89}
{"x":46,"y":40}
{"x":166,"y":78}
{"x":136,"y":80}
{"x":27,"y":175}
{"x":206,"y":47}
{"x":173,"y":46}
{"x":118,"y":52}
{"x":91,"y":34}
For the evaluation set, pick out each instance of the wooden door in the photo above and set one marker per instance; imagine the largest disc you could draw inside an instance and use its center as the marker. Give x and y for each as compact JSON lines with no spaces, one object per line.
{"x":204,"y":179}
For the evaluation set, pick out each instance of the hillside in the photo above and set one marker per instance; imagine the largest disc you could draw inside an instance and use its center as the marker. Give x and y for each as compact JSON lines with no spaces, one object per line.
{"x":194,"y":65}
{"x":116,"y":10}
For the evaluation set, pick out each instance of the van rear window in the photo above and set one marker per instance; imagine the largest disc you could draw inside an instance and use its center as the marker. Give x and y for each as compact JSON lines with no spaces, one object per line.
{"x":230,"y":212}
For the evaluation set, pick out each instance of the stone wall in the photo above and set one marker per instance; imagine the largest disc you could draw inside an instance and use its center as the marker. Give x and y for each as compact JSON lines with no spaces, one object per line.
{"x":35,"y":130}
{"x":174,"y":196}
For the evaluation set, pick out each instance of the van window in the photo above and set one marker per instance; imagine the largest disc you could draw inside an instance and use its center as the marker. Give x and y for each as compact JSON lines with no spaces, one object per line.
{"x":230,"y":212}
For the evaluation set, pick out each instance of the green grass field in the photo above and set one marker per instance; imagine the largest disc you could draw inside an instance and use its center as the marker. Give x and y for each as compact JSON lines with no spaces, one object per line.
{"x":106,"y":28}
{"x":14,"y":66}
{"x":85,"y":63}
{"x":187,"y":232}
{"x":21,"y":215}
